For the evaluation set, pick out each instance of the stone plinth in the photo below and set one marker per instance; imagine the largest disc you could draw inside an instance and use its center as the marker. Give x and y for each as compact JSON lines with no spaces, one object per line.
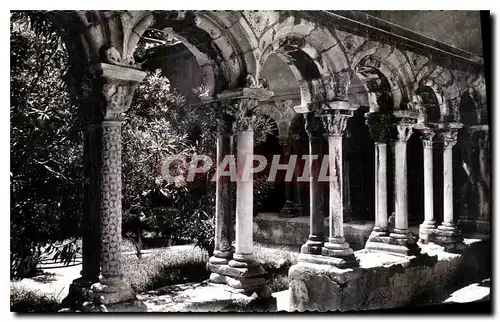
{"x":405,"y":246}
{"x":384,"y":280}
{"x":241,"y":280}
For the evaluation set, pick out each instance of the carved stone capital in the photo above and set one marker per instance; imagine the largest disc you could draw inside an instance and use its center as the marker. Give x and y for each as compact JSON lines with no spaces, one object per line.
{"x":118,"y":96}
{"x":245,"y":114}
{"x":449,"y":138}
{"x":428,"y":138}
{"x":403,"y":132}
{"x":244,"y":101}
{"x":112,"y":88}
{"x":378,"y":126}
{"x":335,"y":123}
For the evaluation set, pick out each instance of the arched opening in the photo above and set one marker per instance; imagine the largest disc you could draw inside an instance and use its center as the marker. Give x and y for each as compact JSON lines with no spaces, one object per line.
{"x":187,"y":57}
{"x":269,"y":196}
{"x":282,"y":70}
{"x":415,"y":176}
{"x":430,"y":103}
{"x":468,"y":110}
{"x":179,"y":65}
{"x":371,"y":89}
{"x":359,"y":154}
{"x":299,"y":146}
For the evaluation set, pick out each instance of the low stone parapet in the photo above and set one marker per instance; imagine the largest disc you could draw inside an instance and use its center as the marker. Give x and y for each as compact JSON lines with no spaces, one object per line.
{"x":385,"y":280}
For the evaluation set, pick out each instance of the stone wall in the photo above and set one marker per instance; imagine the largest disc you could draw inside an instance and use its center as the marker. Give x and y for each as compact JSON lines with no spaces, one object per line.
{"x":387,"y":281}
{"x":269,"y":228}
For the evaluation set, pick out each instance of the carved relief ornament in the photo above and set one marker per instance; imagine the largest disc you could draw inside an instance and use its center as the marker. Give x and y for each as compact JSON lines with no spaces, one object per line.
{"x":335,"y":123}
{"x":114,"y":86}
{"x":450,"y":138}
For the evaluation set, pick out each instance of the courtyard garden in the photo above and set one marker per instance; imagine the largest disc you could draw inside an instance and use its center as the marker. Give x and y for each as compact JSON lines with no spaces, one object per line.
{"x":155,"y":269}
{"x":47,"y":173}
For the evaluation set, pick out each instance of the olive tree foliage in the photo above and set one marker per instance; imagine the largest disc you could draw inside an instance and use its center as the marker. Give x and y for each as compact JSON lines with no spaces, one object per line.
{"x":46,"y":146}
{"x":160,"y":125}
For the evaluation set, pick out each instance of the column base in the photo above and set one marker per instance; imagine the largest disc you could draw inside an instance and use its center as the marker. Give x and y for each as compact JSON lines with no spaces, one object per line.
{"x":312,"y":246}
{"x":221,"y":257}
{"x":340,"y":262}
{"x":339,"y":248}
{"x":399,"y":242}
{"x":449,"y":236}
{"x":379,"y":232}
{"x":78,"y":294}
{"x":243,"y":274}
{"x":288,"y":210}
{"x":426,"y":232}
{"x":111,"y":291}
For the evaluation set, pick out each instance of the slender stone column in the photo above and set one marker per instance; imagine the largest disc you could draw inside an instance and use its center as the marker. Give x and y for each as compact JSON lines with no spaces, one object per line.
{"x":117,"y":85}
{"x":400,"y":231}
{"x":448,"y":233}
{"x":223,"y":250}
{"x":288,"y":209}
{"x":448,"y":183}
{"x":243,"y":273}
{"x":316,"y":216}
{"x":380,"y":189}
{"x":336,"y":125}
{"x":244,"y":201}
{"x":400,"y":240}
{"x":427,"y":228}
{"x":379,"y":130}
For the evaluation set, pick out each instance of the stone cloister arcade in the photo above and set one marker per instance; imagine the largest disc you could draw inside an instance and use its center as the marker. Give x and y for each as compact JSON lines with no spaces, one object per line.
{"x":357,"y":87}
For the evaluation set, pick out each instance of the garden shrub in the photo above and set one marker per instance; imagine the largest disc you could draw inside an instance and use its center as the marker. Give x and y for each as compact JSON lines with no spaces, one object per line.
{"x":23,"y":300}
